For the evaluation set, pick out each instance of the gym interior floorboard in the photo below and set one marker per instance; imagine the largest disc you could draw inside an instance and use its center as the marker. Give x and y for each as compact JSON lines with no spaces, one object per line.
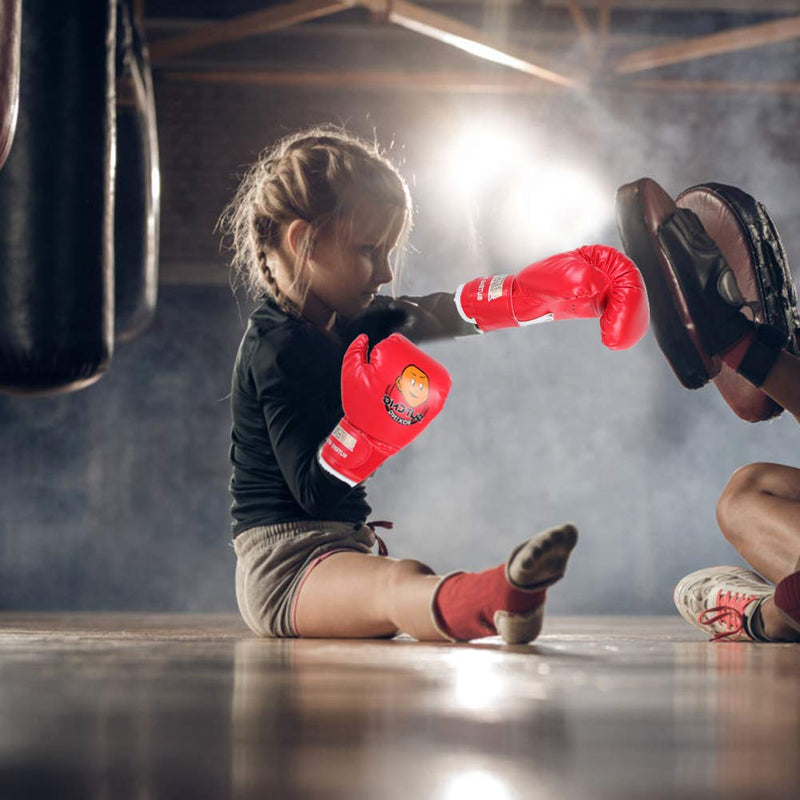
{"x":191,"y":707}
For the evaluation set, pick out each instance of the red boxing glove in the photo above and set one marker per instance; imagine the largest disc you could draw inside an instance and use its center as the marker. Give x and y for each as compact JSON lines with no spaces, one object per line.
{"x":590,"y":282}
{"x":388,"y":400}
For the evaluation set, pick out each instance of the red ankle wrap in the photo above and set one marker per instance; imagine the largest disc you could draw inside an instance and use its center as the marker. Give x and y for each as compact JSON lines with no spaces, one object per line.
{"x":465,"y":604}
{"x":787,"y":596}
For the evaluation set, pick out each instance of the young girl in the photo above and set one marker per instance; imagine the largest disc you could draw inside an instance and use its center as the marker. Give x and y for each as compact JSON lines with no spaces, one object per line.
{"x":313,"y":226}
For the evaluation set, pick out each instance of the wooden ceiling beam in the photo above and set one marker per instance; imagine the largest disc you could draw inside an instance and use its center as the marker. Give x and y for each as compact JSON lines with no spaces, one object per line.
{"x":465,"y":37}
{"x":583,"y":27}
{"x":604,"y":24}
{"x":357,"y":80}
{"x":716,"y":86}
{"x":464,"y":82}
{"x":744,"y":38}
{"x":231,"y":30}
{"x":740,"y":6}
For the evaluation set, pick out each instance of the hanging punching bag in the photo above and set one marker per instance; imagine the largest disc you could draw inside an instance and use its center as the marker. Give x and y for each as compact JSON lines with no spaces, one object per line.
{"x":10,"y":17}
{"x":137,"y":194}
{"x":56,"y":205}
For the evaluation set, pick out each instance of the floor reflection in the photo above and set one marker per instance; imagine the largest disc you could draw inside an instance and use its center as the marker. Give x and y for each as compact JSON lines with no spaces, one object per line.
{"x":112,"y":707}
{"x":752,"y":696}
{"x":399,"y":719}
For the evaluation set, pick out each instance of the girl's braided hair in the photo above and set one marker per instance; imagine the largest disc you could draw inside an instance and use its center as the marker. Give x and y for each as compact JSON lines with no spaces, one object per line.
{"x":319,"y":175}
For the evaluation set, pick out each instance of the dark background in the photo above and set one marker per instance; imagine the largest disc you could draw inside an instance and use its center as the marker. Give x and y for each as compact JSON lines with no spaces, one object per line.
{"x":115,"y":497}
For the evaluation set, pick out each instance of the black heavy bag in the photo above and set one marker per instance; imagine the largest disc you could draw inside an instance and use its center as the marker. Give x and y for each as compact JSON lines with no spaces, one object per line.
{"x":10,"y":18}
{"x":136,"y":211}
{"x":56,"y":207}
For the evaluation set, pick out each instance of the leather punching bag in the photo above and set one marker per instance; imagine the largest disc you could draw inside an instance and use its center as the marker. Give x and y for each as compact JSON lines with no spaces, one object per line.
{"x":137,"y":193}
{"x":10,"y":18}
{"x":56,"y":204}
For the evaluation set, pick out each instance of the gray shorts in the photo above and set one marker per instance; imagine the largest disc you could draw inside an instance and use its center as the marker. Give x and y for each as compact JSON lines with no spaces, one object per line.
{"x":273,"y":561}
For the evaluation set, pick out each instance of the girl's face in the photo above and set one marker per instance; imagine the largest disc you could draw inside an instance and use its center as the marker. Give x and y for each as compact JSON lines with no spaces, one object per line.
{"x":350,"y":262}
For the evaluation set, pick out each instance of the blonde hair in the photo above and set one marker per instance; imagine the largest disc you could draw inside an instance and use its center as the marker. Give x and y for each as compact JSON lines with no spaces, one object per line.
{"x":319,"y":175}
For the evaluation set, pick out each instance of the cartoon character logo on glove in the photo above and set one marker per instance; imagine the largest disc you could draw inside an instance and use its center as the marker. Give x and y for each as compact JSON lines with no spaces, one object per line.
{"x":405,"y":399}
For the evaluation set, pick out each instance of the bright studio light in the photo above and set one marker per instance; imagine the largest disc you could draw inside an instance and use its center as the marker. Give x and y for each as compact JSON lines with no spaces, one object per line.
{"x":552,"y":207}
{"x":477,"y":157}
{"x":539,"y":202}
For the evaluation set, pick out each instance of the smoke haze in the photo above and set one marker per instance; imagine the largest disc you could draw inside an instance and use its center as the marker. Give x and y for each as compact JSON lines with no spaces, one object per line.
{"x":116,"y":497}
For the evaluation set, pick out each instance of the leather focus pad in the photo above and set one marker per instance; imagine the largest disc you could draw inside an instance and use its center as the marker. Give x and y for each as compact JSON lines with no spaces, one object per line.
{"x":643,"y":207}
{"x":747,"y":237}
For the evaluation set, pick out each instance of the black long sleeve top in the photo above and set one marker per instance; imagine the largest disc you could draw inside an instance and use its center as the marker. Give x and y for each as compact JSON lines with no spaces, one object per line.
{"x":285,"y":400}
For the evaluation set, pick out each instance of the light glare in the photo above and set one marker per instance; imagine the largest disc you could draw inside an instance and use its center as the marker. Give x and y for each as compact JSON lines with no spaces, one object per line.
{"x":477,"y":157}
{"x":554,"y":207}
{"x":476,"y":785}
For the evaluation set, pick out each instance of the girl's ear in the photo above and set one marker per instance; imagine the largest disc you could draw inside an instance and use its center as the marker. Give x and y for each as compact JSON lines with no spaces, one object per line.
{"x":296,"y":234}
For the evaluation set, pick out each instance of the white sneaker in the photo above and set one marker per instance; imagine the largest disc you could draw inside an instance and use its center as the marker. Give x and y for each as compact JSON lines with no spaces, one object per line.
{"x":722,"y":600}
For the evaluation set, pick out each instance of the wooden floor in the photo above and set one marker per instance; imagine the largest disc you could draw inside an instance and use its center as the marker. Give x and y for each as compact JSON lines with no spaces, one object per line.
{"x":153,"y":707}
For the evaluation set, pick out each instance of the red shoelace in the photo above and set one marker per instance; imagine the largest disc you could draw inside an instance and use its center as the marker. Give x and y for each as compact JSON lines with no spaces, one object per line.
{"x":729,"y":612}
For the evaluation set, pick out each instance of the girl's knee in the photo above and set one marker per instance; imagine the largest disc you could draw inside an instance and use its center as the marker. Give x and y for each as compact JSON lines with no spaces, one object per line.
{"x":406,"y":601}
{"x":404,"y":569}
{"x":401,"y":577}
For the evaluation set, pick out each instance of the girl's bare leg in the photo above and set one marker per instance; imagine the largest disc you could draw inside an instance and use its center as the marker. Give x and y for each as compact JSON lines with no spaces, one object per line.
{"x":759,"y":514}
{"x":356,"y":595}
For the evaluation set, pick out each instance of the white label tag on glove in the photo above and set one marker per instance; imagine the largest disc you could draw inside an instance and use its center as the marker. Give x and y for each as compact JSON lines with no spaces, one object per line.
{"x":495,"y":287}
{"x":341,"y":435}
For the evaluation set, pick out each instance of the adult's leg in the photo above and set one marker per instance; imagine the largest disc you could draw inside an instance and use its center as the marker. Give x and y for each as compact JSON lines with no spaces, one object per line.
{"x":759,"y":514}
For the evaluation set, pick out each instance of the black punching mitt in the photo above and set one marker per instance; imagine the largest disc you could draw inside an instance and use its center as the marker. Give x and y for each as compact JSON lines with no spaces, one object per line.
{"x":680,"y":265}
{"x":694,"y":276}
{"x":747,"y":236}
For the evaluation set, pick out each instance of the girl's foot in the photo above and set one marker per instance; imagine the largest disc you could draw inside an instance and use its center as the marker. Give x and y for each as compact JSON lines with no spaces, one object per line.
{"x":533,"y":566}
{"x":508,"y":599}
